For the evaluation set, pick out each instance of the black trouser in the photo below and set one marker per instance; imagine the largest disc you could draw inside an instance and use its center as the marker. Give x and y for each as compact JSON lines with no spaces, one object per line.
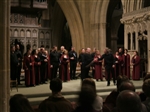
{"x":43,"y":72}
{"x":82,"y":72}
{"x":54,"y":71}
{"x":13,"y":72}
{"x":72,"y":69}
{"x":86,"y":71}
{"x":18,"y":74}
{"x":108,"y":71}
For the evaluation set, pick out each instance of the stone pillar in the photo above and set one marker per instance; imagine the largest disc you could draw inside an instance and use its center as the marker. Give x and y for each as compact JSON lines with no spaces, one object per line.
{"x":102,"y":43}
{"x":137,"y":41}
{"x":5,"y":55}
{"x":114,"y":43}
{"x":148,"y":48}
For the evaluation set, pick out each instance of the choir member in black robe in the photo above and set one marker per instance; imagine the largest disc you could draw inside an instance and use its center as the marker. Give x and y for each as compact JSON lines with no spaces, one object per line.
{"x":44,"y":61}
{"x":13,"y":63}
{"x":73,"y":62}
{"x":81,"y":62}
{"x":19,"y":56}
{"x":87,"y":60}
{"x":54,"y":56}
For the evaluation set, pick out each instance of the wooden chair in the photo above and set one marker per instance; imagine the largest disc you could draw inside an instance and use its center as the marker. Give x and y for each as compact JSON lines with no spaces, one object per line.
{"x":13,"y":83}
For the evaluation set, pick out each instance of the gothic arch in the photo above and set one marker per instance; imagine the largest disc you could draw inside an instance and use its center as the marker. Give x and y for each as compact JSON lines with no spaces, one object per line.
{"x":74,"y":20}
{"x":22,"y":33}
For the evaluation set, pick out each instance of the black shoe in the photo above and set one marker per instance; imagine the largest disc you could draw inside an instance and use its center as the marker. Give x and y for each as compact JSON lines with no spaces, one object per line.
{"x":27,"y":85}
{"x":108,"y":84}
{"x":19,"y":84}
{"x":97,"y":80}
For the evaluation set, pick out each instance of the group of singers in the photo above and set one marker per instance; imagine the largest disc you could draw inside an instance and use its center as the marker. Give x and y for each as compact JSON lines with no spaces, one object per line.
{"x":39,"y":65}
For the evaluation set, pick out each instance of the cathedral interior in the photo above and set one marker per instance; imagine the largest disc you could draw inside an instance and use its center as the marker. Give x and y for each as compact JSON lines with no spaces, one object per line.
{"x":79,"y":23}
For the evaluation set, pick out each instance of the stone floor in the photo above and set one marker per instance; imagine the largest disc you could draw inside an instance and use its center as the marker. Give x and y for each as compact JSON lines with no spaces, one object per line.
{"x":73,"y":85}
{"x":70,"y":90}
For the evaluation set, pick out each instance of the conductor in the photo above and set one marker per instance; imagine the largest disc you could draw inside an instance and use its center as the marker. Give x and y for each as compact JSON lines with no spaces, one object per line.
{"x":109,"y":64}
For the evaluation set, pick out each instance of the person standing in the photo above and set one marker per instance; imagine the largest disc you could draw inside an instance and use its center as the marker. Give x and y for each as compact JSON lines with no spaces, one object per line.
{"x":81,"y":62}
{"x":28,"y":65}
{"x":117,"y":64}
{"x":37,"y":64}
{"x":48,"y":68}
{"x":54,"y":56}
{"x":62,"y":49}
{"x":19,"y":56}
{"x":126,"y":65}
{"x":121,"y":61}
{"x":136,"y":66}
{"x":44,"y":61}
{"x":87,"y":60}
{"x":93,"y":56}
{"x":98,"y":67}
{"x":13,"y":63}
{"x":64,"y":68}
{"x":109,"y":63}
{"x":73,"y":62}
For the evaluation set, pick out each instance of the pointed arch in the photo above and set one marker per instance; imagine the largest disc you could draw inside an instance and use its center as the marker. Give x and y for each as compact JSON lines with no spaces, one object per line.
{"x":74,"y":20}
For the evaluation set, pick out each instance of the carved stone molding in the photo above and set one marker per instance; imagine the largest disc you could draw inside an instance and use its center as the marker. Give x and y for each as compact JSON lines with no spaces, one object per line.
{"x":136,"y":16}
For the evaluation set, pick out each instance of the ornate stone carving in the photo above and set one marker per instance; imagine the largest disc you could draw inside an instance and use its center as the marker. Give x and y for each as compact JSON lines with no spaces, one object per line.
{"x":15,"y":18}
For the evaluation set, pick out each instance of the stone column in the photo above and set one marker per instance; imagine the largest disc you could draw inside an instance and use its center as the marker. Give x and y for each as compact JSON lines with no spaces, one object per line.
{"x":148,"y":49}
{"x":137,"y":41}
{"x":5,"y":55}
{"x":114,"y":43}
{"x":102,"y":36}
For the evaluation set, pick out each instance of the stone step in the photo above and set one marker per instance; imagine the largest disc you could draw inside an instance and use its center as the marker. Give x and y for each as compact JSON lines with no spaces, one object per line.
{"x":71,"y":97}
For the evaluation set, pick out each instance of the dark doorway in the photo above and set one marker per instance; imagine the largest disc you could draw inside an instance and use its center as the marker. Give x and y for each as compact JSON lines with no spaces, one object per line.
{"x":143,"y":56}
{"x":120,"y":40}
{"x":66,"y":38}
